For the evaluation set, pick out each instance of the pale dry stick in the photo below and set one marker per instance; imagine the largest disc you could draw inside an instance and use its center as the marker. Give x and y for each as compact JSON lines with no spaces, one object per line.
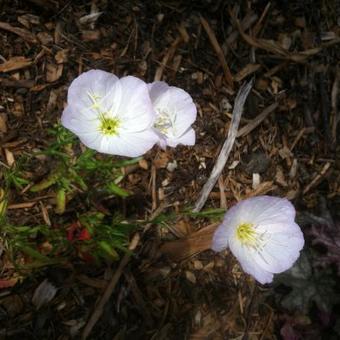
{"x":228,"y":144}
{"x":15,"y":63}
{"x":98,"y":311}
{"x":317,"y":178}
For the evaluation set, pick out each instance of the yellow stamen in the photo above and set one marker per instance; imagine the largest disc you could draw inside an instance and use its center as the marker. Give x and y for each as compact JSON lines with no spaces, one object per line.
{"x":109,"y":126}
{"x":163,"y":122}
{"x":246,"y":234}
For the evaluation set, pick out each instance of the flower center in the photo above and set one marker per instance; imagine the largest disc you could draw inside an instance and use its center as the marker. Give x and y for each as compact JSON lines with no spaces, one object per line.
{"x":163,"y":122}
{"x":109,"y":126}
{"x":246,"y":234}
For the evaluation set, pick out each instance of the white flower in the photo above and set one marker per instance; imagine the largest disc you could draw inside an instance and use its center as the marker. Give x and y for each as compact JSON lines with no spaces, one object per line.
{"x":262,"y":235}
{"x":111,"y":115}
{"x":175,"y":112}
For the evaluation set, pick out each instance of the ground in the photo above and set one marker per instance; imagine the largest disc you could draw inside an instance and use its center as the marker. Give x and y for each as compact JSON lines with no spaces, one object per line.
{"x":173,"y":286}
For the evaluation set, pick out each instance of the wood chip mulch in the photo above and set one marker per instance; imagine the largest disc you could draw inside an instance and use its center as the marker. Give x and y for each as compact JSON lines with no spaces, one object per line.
{"x":173,"y":287}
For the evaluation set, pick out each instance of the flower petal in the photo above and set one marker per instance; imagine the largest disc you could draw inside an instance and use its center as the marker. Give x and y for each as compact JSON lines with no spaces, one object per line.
{"x":273,"y":242}
{"x":139,"y":143}
{"x":157,"y":89}
{"x":262,"y":209}
{"x":181,"y":103}
{"x":92,"y":140}
{"x":130,"y":145}
{"x":92,"y":83}
{"x":281,"y":251}
{"x":79,"y":122}
{"x":248,"y":264}
{"x":225,"y":230}
{"x":177,"y":105}
{"x":136,"y":111}
{"x":220,"y":239}
{"x":188,"y":138}
{"x":162,"y":142}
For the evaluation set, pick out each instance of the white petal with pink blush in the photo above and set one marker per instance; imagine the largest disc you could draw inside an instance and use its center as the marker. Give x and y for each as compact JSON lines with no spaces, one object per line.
{"x":111,"y":115}
{"x":175,"y":113}
{"x":262,"y":235}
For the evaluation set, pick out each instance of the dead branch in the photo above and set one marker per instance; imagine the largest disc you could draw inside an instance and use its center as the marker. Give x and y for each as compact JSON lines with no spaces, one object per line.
{"x":218,"y":50}
{"x":98,"y":311}
{"x":227,"y":146}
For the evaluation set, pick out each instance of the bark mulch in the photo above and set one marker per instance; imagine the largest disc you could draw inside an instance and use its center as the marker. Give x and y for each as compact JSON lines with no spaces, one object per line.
{"x":173,"y":286}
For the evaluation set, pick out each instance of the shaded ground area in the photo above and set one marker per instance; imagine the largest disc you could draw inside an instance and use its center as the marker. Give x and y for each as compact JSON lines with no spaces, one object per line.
{"x":286,"y":146}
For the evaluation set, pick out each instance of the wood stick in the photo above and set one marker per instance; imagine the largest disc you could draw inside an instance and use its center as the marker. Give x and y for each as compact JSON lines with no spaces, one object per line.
{"x":257,"y":120}
{"x":219,"y":52}
{"x":21,"y":32}
{"x":227,"y":146}
{"x":258,"y":25}
{"x":334,"y":101}
{"x":317,"y":178}
{"x":98,"y":311}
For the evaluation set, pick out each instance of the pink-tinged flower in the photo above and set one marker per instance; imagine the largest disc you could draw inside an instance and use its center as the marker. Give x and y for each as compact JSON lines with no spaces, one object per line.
{"x":111,"y":115}
{"x":262,"y":235}
{"x":175,"y":112}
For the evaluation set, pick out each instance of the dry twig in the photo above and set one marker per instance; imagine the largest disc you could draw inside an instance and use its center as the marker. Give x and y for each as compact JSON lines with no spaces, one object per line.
{"x":335,"y":100}
{"x":219,"y":52}
{"x":23,"y":33}
{"x":317,"y":178}
{"x":257,"y":120}
{"x":98,"y":311}
{"x":228,"y":144}
{"x":15,"y":63}
{"x":274,"y":48}
{"x":167,"y":57}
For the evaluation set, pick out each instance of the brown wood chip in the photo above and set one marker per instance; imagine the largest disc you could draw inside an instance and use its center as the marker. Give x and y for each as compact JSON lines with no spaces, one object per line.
{"x":21,"y":32}
{"x":15,"y":63}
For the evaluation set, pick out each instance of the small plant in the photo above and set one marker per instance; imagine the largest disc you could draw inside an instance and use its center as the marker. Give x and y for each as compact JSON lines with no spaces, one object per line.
{"x":91,"y":236}
{"x":73,"y":173}
{"x":13,"y":176}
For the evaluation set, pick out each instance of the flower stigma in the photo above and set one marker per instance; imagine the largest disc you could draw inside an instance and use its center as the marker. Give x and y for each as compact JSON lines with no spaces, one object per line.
{"x":94,"y":98}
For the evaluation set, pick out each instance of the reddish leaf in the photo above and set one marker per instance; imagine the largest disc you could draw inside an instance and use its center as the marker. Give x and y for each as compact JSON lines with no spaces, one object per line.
{"x":84,"y":235}
{"x":7,"y":283}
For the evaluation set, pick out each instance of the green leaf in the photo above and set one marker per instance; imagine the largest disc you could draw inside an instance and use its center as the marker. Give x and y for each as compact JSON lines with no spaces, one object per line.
{"x":33,"y":253}
{"x":218,"y":212}
{"x":113,"y":188}
{"x":3,"y":203}
{"x":121,"y":164}
{"x":51,"y":179}
{"x":61,"y":201}
{"x":108,"y":250}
